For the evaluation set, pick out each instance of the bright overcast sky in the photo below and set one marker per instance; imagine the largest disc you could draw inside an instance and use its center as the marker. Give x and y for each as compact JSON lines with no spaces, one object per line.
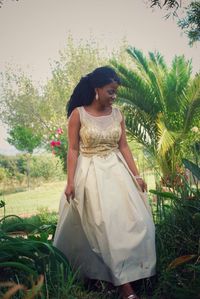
{"x":33,"y":31}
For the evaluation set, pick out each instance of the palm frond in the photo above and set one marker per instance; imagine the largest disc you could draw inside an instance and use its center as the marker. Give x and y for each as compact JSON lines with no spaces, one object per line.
{"x":158,"y":66}
{"x":139,"y":100}
{"x":176,"y":83}
{"x":136,"y":90}
{"x":139,"y":124}
{"x":139,"y":59}
{"x":151,"y":71}
{"x":192,"y":109}
{"x":165,"y":138}
{"x":158,"y":60}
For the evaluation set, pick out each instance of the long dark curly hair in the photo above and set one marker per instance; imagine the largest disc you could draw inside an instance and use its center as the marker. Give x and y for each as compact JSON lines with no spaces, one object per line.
{"x":84,"y":92}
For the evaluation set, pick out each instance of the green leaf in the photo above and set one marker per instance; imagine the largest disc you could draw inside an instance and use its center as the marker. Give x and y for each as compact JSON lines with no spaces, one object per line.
{"x":164,"y":194}
{"x":192,"y":167}
{"x":19,"y":266}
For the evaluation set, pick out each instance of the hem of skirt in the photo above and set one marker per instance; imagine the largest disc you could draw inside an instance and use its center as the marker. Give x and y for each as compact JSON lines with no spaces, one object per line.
{"x":130,"y":278}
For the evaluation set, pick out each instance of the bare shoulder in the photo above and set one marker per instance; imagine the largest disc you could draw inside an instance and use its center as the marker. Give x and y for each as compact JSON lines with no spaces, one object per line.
{"x":75,"y":116}
{"x":119,"y":113}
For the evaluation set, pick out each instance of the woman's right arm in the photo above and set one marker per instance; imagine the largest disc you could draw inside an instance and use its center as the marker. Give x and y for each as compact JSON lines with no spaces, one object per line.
{"x":73,"y":151}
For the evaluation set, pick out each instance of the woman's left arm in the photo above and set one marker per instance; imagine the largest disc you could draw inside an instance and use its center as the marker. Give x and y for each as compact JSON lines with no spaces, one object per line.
{"x":126,"y":152}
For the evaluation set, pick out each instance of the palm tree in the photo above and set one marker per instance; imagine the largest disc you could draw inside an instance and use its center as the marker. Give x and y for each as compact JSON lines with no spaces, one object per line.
{"x":161,"y":105}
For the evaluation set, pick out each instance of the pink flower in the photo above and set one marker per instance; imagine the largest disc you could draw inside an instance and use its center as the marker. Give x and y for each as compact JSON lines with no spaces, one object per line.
{"x":57,"y":143}
{"x":59,"y":131}
{"x":53,"y":143}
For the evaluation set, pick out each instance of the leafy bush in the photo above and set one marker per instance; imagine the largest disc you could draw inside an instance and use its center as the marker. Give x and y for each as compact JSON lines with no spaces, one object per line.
{"x":24,"y":260}
{"x":30,"y":265}
{"x":46,"y":166}
{"x":59,"y":145}
{"x":4,"y":174}
{"x":178,"y":241}
{"x":14,"y":170}
{"x":9,"y":163}
{"x":47,"y":217}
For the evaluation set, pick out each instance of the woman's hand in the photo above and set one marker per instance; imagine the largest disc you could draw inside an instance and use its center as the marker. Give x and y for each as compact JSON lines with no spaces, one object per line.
{"x":69,"y":192}
{"x":142,"y":184}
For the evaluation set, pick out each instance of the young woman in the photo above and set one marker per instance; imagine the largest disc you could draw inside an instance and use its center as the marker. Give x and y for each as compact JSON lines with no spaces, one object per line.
{"x":105,"y":227}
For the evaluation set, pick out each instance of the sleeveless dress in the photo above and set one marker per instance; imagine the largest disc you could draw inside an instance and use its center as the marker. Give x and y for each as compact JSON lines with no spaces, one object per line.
{"x":106,"y":232}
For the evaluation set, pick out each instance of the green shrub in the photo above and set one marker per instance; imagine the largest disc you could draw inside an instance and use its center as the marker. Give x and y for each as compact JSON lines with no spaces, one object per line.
{"x":47,"y":217}
{"x":26,"y":260}
{"x":46,"y":166}
{"x":4,"y":174}
{"x":178,"y":241}
{"x":42,"y":168}
{"x":23,"y":260}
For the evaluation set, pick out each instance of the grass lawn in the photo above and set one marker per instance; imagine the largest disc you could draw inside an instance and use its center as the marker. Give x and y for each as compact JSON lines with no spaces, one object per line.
{"x":29,"y":202}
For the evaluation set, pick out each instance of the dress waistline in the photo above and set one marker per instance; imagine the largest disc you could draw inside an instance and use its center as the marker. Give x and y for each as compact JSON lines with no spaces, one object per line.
{"x":103,"y":154}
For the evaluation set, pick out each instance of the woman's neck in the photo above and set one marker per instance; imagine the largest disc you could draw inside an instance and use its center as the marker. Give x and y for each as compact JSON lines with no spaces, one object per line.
{"x":98,"y":109}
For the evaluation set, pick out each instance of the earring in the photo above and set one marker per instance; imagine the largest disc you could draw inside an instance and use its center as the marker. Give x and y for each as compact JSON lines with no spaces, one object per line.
{"x":96,"y":97}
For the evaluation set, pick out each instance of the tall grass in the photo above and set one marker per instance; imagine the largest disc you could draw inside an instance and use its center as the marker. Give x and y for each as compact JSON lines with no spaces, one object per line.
{"x":177,"y":219}
{"x":23,"y":260}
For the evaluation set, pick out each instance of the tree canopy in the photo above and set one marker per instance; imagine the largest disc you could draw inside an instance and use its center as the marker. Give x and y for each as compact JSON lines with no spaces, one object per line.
{"x":190,"y":23}
{"x":24,"y":139}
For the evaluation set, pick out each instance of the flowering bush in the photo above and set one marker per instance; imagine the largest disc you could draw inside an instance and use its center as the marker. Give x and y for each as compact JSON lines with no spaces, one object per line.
{"x":55,"y":143}
{"x":59,"y":145}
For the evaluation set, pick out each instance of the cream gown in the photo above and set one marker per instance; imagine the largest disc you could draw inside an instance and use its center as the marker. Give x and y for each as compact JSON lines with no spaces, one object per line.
{"x":107,"y":231}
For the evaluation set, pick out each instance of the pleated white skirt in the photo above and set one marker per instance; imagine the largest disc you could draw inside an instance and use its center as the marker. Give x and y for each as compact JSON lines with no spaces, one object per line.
{"x":107,"y":231}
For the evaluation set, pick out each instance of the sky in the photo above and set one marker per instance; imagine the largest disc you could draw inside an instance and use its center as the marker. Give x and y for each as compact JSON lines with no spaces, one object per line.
{"x":32,"y":32}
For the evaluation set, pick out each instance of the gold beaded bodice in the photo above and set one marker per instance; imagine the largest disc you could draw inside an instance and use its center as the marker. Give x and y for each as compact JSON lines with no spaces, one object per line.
{"x":99,"y":135}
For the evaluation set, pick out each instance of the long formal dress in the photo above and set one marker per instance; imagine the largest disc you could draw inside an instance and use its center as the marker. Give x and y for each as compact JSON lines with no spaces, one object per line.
{"x":107,"y":231}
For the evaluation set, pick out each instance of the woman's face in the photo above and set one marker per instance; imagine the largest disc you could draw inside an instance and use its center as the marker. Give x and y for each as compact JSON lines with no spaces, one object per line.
{"x":107,"y":94}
